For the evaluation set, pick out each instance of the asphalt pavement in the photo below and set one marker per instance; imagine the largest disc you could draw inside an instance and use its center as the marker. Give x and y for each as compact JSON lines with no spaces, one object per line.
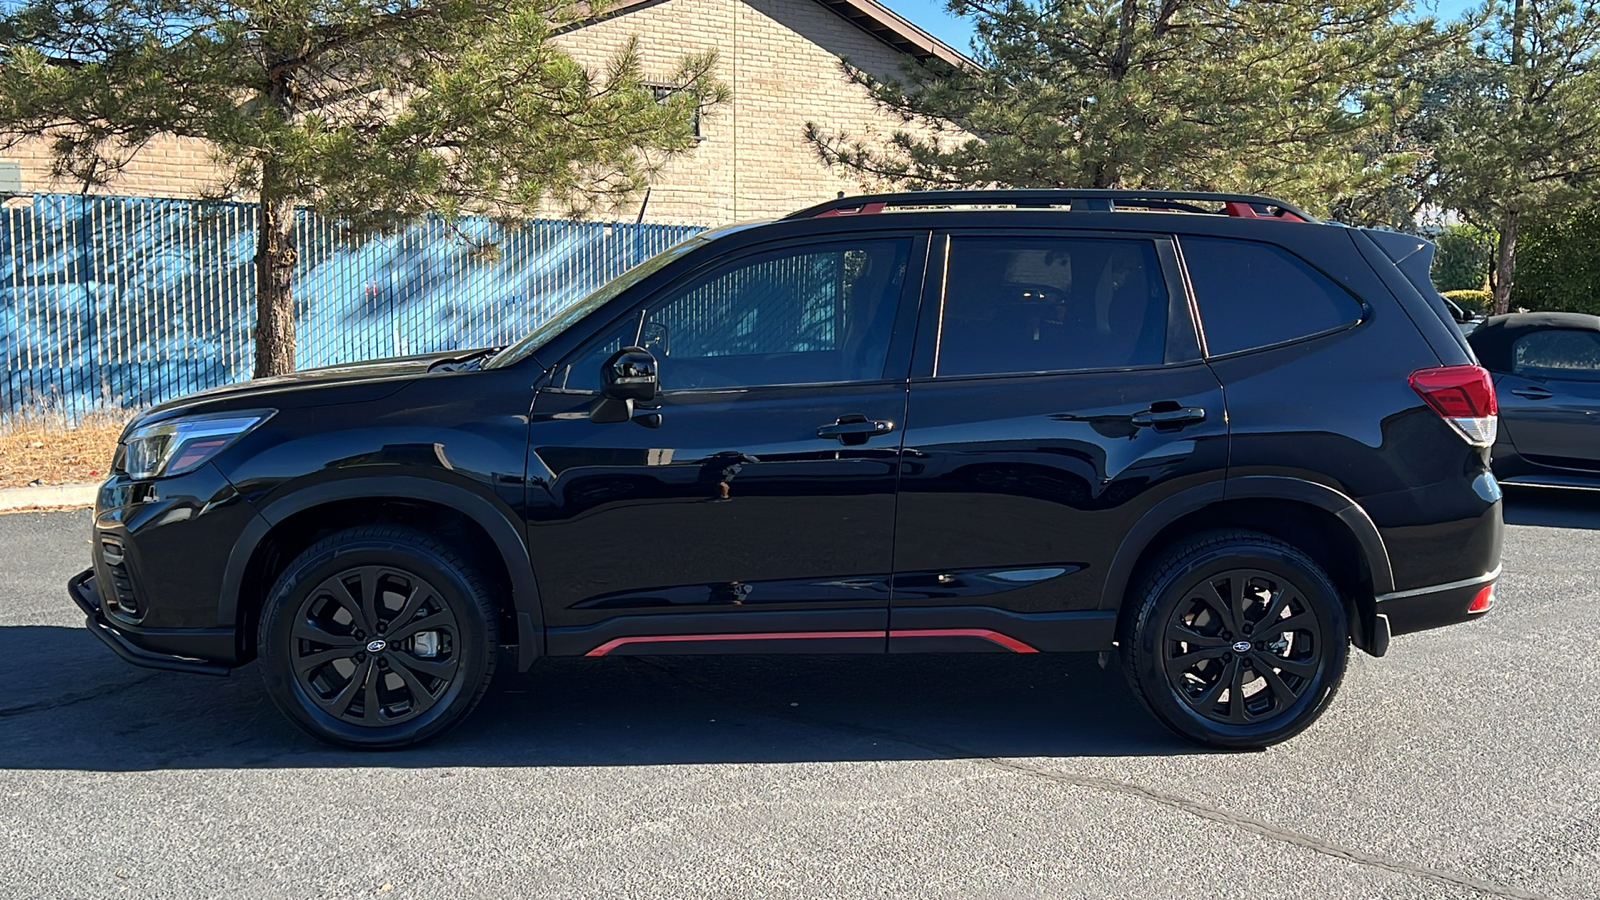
{"x":1466,"y":763}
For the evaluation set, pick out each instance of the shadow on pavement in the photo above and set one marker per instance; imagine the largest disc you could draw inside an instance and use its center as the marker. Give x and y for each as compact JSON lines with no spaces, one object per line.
{"x":70,"y":704}
{"x":1552,"y":508}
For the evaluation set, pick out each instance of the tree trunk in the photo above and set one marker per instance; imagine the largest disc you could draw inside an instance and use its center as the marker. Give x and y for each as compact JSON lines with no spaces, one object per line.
{"x":1519,"y":30}
{"x":1505,"y":263}
{"x":1103,"y":174}
{"x":1124,"y":52}
{"x":275,"y":260}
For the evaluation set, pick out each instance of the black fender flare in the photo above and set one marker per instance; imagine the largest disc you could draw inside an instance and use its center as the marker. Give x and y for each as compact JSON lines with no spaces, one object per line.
{"x":497,"y":522}
{"x":1262,"y":487}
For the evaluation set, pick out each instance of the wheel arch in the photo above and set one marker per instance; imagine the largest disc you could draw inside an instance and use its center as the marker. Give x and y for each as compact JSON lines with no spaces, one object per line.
{"x":1322,"y":521}
{"x":289,"y":523}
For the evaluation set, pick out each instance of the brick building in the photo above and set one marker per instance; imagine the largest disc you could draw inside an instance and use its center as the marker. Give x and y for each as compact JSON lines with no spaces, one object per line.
{"x":779,"y":57}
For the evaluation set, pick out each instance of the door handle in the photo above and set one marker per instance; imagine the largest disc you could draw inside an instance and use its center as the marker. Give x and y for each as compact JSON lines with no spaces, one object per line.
{"x":1532,"y":393}
{"x":1182,"y":415}
{"x":854,"y":429}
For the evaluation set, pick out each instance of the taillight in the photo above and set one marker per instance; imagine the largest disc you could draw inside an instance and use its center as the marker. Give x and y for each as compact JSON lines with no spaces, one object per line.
{"x":1462,"y":396}
{"x":1483,"y":600}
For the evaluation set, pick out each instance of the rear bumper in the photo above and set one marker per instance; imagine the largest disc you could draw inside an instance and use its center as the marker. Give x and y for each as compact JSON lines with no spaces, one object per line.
{"x":1435,"y":606}
{"x":171,"y":649}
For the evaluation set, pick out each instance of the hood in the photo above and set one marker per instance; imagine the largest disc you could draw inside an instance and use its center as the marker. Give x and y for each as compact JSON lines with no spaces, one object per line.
{"x":353,"y":383}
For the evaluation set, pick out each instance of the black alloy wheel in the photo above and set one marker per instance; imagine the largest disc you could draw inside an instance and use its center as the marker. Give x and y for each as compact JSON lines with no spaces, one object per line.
{"x":375,"y":645}
{"x":1235,"y":639}
{"x":378,"y":637}
{"x":1241,"y":646}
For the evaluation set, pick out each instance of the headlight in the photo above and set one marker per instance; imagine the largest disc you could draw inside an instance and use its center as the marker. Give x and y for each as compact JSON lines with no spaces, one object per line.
{"x":181,"y":445}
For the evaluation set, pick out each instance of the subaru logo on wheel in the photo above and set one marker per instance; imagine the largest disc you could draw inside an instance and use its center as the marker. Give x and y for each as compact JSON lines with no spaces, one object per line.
{"x":377,"y":645}
{"x":1238,"y":646}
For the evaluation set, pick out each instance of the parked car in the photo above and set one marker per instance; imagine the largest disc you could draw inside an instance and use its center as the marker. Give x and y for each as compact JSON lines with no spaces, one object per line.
{"x":1203,"y":431}
{"x":1465,"y":319}
{"x":1546,"y":369}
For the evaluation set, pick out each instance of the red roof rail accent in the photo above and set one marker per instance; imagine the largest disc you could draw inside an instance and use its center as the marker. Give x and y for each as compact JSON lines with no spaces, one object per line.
{"x":865,"y":209}
{"x":1241,"y":210}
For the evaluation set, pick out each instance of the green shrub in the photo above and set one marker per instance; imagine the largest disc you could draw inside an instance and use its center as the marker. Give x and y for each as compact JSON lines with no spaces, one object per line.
{"x":1558,"y":261}
{"x":1461,"y":258}
{"x":1471,"y":301}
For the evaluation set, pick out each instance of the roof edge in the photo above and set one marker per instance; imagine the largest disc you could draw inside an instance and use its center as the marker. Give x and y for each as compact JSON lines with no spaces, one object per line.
{"x":870,"y":16}
{"x":901,"y":33}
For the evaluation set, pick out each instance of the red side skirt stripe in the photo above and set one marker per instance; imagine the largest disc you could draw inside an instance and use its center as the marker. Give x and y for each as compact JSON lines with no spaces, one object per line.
{"x":1004,"y":640}
{"x":1010,"y":643}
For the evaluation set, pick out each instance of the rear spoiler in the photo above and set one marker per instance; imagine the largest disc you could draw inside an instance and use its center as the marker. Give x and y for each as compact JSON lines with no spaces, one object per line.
{"x":1413,"y":256}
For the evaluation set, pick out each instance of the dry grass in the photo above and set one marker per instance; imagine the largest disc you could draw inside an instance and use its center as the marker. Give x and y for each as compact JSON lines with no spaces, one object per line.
{"x":47,"y":450}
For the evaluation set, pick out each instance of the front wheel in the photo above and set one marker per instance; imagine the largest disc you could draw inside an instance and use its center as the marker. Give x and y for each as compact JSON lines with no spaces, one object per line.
{"x":1235,"y":639}
{"x":377,"y":637}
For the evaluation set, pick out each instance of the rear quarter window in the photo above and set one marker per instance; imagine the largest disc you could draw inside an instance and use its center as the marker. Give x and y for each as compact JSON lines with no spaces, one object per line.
{"x":1253,"y":295}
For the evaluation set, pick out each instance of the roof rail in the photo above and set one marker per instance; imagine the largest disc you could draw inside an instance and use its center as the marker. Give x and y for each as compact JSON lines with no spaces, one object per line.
{"x":1246,"y":206}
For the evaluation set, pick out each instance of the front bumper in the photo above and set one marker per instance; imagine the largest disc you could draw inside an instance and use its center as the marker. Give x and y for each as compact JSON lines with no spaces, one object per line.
{"x":166,"y":648}
{"x":159,"y":551}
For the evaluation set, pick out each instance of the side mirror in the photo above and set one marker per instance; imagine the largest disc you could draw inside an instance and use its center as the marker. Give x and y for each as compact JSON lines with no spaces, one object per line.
{"x":628,"y":376}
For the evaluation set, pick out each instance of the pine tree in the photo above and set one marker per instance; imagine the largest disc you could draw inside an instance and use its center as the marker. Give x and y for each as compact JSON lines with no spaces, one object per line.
{"x":1256,"y":95}
{"x":372,"y":111}
{"x":1522,"y":132}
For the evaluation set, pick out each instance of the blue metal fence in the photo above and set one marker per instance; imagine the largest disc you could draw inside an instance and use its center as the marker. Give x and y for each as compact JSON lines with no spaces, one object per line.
{"x":117,"y":301}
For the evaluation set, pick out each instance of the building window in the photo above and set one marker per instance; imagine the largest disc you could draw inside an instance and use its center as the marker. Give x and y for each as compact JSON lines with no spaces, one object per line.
{"x":664,"y":91}
{"x":11,"y":173}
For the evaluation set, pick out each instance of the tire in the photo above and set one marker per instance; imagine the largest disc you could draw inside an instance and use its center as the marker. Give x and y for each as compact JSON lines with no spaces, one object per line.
{"x":393,"y":683}
{"x":1186,"y":655}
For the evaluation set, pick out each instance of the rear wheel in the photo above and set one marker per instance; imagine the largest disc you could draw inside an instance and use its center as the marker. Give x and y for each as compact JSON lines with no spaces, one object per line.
{"x":1236,"y":639}
{"x":377,"y":637}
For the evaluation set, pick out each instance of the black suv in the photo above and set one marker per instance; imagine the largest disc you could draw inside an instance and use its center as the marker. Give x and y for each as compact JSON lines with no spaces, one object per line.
{"x":1203,"y":430}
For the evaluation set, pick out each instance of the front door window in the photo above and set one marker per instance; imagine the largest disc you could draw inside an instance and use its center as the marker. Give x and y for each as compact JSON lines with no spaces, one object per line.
{"x":818,"y":314}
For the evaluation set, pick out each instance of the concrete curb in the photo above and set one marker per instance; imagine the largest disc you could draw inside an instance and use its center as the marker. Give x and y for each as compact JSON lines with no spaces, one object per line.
{"x":48,"y":496}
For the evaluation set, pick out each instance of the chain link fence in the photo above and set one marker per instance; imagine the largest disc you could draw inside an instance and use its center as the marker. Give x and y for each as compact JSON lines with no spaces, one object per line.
{"x":124,"y":302}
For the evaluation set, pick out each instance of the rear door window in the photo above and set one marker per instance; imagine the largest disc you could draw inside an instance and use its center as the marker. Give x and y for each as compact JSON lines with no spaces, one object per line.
{"x":1558,"y":353}
{"x":1051,"y":304}
{"x":1254,"y":295}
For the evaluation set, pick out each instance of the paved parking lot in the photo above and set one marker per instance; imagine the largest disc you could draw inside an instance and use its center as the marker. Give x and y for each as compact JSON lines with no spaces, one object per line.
{"x":1464,"y":764}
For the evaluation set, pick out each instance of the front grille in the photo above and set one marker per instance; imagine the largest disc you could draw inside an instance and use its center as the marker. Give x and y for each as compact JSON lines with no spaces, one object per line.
{"x":119,"y":595}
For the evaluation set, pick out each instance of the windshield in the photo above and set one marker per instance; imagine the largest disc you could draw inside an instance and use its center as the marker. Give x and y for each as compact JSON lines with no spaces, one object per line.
{"x":564,"y":319}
